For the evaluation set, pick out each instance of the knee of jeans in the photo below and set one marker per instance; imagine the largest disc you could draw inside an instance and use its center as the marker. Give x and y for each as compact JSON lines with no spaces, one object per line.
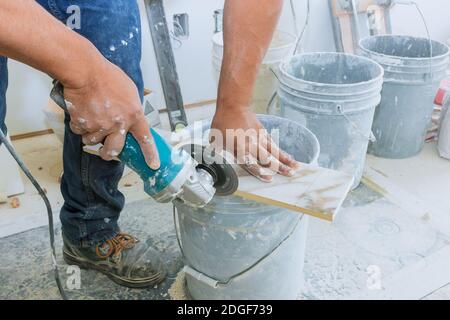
{"x":114,"y":27}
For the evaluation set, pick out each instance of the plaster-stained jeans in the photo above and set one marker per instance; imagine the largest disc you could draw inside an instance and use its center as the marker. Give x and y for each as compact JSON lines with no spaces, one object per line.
{"x":89,"y":185}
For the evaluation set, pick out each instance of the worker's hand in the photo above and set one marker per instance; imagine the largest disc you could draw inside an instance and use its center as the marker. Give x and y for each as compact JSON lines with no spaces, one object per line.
{"x":245,"y":137}
{"x":107,"y":106}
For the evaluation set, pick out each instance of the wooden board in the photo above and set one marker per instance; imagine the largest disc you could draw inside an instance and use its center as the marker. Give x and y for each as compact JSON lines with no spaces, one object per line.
{"x":314,"y":191}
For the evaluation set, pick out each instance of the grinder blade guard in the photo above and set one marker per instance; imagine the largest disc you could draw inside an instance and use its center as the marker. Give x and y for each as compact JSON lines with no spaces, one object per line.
{"x":225,"y":179}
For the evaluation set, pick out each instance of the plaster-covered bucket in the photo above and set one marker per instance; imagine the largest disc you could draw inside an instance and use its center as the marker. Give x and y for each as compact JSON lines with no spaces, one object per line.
{"x":266,"y":83}
{"x":410,"y":83}
{"x":334,"y":95}
{"x":240,"y":249}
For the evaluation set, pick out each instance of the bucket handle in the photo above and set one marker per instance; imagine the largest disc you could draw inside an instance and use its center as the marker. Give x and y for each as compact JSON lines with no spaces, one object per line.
{"x":371,"y":137}
{"x":210,"y":281}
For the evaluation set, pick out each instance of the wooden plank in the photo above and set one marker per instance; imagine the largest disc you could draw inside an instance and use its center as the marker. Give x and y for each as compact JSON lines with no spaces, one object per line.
{"x":415,"y":281}
{"x":411,"y":203}
{"x":314,"y":191}
{"x":193,"y":105}
{"x":31,"y":134}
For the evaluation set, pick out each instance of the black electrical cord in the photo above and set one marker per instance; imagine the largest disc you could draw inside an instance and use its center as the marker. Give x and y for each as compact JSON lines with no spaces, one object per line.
{"x":27,"y":172}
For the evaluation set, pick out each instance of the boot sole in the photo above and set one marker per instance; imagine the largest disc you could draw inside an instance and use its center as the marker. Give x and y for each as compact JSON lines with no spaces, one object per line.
{"x":135,"y":284}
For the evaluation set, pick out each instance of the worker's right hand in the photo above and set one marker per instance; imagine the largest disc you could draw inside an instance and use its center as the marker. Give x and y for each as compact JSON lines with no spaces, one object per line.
{"x":105,"y":107}
{"x":241,"y":133}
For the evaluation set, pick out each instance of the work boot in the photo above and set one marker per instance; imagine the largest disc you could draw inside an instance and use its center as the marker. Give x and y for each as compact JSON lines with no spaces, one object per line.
{"x":124,"y":259}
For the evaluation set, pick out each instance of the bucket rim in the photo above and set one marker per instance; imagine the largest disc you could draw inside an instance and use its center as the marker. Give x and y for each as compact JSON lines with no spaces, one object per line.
{"x":371,"y":52}
{"x":216,"y":40}
{"x":284,"y":73}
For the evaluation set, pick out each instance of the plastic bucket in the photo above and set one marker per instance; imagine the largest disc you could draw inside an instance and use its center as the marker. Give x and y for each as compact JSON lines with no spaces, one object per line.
{"x":334,"y":95}
{"x":240,"y":249}
{"x":410,"y":83}
{"x":266,"y":83}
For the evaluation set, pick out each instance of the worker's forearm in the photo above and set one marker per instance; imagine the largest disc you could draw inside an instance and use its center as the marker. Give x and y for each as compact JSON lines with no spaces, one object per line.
{"x":30,"y":35}
{"x":248,"y":29}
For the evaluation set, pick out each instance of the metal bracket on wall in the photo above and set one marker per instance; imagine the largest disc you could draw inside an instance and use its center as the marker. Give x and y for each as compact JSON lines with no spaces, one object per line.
{"x":347,"y":26}
{"x":166,"y":63}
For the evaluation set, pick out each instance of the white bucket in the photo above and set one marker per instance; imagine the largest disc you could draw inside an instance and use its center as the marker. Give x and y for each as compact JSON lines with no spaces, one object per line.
{"x":236,"y":249}
{"x":266,"y":83}
{"x":55,"y":119}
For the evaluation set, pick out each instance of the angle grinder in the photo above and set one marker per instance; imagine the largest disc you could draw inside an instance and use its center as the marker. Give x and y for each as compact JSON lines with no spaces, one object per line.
{"x":192,"y":174}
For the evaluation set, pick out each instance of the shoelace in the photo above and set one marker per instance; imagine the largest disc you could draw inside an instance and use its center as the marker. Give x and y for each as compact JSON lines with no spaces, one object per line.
{"x":116,"y":245}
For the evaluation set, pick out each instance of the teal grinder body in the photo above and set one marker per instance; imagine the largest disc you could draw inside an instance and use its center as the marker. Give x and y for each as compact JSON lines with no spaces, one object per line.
{"x":177,"y":177}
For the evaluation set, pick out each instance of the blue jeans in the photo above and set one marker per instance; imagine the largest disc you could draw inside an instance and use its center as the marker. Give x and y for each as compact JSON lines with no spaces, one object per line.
{"x":92,"y":202}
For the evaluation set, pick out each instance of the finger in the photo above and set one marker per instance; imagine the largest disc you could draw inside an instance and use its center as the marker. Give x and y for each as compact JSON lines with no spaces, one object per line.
{"x":112,"y":146}
{"x":76,"y":129}
{"x":85,"y":125}
{"x":256,"y":146}
{"x":94,"y":138}
{"x":250,"y":164}
{"x":267,"y":159}
{"x":141,"y":133}
{"x":282,"y":156}
{"x":97,"y":136}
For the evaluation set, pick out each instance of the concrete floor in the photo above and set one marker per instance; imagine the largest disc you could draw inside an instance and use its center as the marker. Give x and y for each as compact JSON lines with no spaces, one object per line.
{"x":26,"y":271}
{"x":394,"y":231}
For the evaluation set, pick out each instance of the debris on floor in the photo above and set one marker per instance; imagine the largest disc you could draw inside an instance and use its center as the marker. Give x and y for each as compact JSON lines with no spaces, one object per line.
{"x":14,"y":203}
{"x":178,"y":289}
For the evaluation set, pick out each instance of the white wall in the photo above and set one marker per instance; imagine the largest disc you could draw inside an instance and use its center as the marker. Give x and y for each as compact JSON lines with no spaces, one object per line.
{"x":27,"y":94}
{"x":29,"y":89}
{"x":406,"y":20}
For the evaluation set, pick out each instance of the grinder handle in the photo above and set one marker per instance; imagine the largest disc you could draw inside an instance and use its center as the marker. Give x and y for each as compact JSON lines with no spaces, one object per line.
{"x":57,"y":95}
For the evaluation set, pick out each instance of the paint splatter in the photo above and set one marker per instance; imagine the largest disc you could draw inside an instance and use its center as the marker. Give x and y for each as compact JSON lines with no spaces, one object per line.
{"x":112,"y":48}
{"x":69,"y":104}
{"x":113,"y":153}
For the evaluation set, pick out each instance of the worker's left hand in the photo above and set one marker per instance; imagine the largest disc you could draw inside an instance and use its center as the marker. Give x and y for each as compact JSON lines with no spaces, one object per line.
{"x":105,"y":107}
{"x":244,"y":136}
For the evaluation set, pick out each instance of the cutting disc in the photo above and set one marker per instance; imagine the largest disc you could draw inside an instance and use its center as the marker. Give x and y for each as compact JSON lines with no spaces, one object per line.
{"x":226,"y":180}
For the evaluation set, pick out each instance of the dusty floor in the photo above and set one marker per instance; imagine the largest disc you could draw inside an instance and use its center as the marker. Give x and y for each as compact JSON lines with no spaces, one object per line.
{"x":393,"y":231}
{"x":25,"y":272}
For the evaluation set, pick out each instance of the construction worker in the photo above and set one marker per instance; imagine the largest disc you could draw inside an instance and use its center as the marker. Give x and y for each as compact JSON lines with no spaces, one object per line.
{"x":99,"y":66}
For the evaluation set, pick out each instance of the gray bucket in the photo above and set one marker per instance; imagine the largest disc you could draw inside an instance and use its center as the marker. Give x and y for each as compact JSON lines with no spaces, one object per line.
{"x":334,"y":95}
{"x":240,"y":249}
{"x":411,"y":81}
